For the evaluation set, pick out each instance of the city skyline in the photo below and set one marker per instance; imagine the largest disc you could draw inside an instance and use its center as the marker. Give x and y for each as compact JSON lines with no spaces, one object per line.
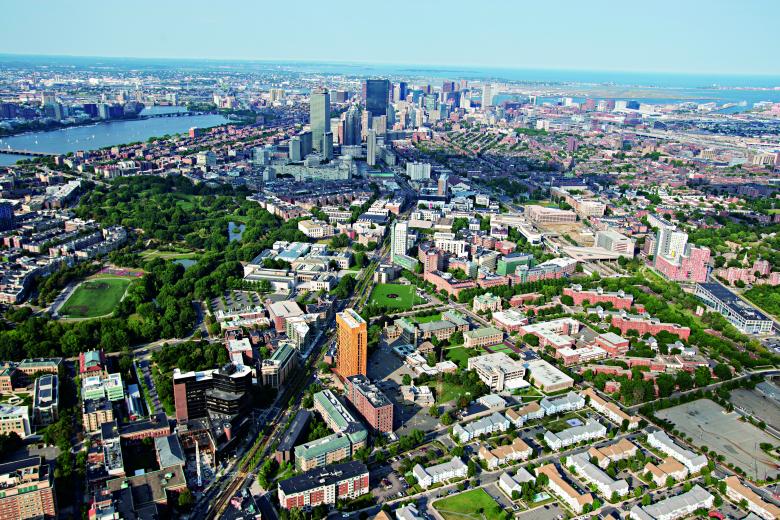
{"x":595,"y":37}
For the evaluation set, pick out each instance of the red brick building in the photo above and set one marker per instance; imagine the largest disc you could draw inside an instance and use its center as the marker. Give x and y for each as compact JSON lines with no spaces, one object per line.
{"x":324,"y":485}
{"x":691,"y":267}
{"x":619,"y":300}
{"x":614,"y":345}
{"x":370,"y":403}
{"x":649,"y":326}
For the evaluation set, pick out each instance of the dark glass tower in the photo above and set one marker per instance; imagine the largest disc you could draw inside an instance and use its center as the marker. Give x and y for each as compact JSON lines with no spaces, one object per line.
{"x":377,"y":94}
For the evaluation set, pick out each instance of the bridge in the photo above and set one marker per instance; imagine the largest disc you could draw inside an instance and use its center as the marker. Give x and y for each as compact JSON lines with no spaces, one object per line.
{"x":172,"y":114}
{"x":29,"y":153}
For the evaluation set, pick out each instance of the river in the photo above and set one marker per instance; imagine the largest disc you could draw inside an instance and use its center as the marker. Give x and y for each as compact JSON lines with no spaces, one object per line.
{"x":100,"y":135}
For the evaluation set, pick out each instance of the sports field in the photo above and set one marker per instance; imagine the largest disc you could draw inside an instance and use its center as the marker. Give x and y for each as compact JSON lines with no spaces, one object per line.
{"x":395,"y":296}
{"x":95,"y":297}
{"x":472,"y":505}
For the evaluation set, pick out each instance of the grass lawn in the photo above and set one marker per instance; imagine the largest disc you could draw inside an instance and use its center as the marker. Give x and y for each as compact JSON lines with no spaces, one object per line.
{"x":169,"y":255}
{"x":95,"y":297}
{"x":560,"y":424}
{"x":446,"y":392}
{"x":468,"y":505}
{"x":458,"y":355}
{"x":405,"y":297}
{"x":427,"y":319}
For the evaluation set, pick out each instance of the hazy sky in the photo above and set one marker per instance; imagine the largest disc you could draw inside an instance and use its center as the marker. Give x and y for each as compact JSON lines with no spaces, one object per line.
{"x":715,"y":36}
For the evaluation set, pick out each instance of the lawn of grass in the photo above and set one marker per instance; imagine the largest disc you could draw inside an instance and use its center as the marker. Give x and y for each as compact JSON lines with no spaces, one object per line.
{"x":475,"y":504}
{"x":458,"y":355}
{"x":560,"y":424}
{"x":169,"y":255}
{"x":406,"y":296}
{"x":427,"y":319}
{"x":95,"y":297}
{"x":446,"y":392}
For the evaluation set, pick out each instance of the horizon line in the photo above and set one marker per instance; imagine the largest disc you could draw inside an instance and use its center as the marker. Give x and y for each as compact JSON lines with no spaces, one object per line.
{"x":405,"y":64}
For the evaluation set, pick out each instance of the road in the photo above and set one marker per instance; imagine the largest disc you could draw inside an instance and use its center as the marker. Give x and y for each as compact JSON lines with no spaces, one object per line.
{"x":211,"y":506}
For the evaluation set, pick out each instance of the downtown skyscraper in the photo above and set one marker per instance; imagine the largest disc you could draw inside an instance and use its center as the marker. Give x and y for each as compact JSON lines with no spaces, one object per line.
{"x":319,"y":117}
{"x":376,"y":93}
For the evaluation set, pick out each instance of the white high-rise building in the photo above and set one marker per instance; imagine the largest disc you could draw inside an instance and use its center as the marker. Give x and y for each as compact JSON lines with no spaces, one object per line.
{"x":399,"y":242}
{"x":671,"y":242}
{"x":487,"y":95}
{"x":418,"y":171}
{"x":371,"y":150}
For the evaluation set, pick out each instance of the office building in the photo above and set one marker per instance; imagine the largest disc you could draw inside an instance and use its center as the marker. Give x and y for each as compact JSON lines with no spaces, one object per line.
{"x":443,"y":185}
{"x":418,"y":171}
{"x":482,"y":337}
{"x":498,"y":371}
{"x":319,"y":118}
{"x":92,"y":363}
{"x":27,"y":490}
{"x":738,"y":312}
{"x":487,"y":95}
{"x":95,"y":413}
{"x":510,"y":263}
{"x":370,"y":402}
{"x":352,"y":343}
{"x":399,"y":240}
{"x":510,"y":320}
{"x":349,"y":435}
{"x":46,"y":400}
{"x":615,"y":242}
{"x":400,"y":91}
{"x":487,"y":302}
{"x":371,"y":147}
{"x":546,"y":377}
{"x":14,"y":419}
{"x":285,"y":450}
{"x":324,"y":485}
{"x":295,"y":149}
{"x":376,"y":93}
{"x":545,"y":215}
{"x":280,"y":365}
{"x":351,"y":134}
{"x":6,"y":216}
{"x":221,"y":393}
{"x":110,"y":386}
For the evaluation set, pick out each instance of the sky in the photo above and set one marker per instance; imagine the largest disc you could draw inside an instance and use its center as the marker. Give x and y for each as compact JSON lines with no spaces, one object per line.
{"x":680,"y":36}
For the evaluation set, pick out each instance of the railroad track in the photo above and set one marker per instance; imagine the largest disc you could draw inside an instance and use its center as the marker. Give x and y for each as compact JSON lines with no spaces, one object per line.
{"x":262,"y":444}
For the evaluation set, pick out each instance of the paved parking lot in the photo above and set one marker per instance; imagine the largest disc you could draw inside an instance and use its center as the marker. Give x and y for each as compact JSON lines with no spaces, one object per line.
{"x":706,"y":422}
{"x":548,"y":512}
{"x":388,"y":370}
{"x":757,"y":404}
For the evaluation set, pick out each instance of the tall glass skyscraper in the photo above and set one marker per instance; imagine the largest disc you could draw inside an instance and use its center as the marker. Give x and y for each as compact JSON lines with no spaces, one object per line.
{"x":377,"y":94}
{"x":352,"y":126}
{"x":319,"y":116}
